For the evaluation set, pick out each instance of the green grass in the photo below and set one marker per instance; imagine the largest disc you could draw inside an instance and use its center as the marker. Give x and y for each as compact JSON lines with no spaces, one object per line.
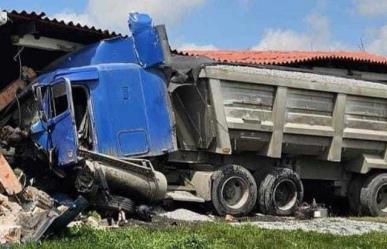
{"x":205,"y":236}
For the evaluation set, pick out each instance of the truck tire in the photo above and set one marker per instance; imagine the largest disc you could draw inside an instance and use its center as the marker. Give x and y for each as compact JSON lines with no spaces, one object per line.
{"x":260,"y":174}
{"x":353,"y":195}
{"x":280,"y":192}
{"x":373,"y":195}
{"x":234,"y":191}
{"x":115,"y":203}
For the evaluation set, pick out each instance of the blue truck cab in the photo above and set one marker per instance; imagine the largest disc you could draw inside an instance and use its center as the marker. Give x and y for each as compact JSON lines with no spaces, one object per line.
{"x":109,"y":98}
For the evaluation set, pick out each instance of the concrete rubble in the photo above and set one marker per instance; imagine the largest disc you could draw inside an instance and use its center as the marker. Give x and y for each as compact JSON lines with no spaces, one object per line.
{"x":10,"y":230}
{"x":19,"y":219}
{"x":27,"y":213}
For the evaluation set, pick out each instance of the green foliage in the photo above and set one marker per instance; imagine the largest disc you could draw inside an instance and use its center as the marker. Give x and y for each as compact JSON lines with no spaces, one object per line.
{"x":205,"y":236}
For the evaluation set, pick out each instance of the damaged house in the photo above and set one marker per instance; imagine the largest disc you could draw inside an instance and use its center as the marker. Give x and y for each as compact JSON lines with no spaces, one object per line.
{"x":31,"y":41}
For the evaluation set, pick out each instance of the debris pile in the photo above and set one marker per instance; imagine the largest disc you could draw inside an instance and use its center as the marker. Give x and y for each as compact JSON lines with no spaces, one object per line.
{"x":315,"y":210}
{"x":10,"y":231}
{"x":27,"y":213}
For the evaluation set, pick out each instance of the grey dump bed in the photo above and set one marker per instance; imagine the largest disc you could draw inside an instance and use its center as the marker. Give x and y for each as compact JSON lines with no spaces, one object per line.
{"x":275,"y":112}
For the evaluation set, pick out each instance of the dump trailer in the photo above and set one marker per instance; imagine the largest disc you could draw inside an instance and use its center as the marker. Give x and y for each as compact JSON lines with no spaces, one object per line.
{"x":125,"y":120}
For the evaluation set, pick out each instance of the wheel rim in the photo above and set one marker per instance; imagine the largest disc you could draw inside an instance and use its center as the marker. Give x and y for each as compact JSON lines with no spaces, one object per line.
{"x":381,"y":198}
{"x":285,"y":194}
{"x":234,"y":192}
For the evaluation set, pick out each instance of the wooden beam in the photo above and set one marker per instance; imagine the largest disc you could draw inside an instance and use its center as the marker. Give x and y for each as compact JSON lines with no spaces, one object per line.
{"x":8,"y":94}
{"x":8,"y":180}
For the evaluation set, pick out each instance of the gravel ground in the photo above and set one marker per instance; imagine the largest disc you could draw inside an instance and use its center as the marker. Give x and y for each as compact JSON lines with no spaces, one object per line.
{"x":186,"y":215}
{"x":336,"y":226}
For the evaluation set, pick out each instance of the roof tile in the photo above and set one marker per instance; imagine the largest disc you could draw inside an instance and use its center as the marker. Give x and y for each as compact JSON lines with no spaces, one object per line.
{"x":285,"y":57}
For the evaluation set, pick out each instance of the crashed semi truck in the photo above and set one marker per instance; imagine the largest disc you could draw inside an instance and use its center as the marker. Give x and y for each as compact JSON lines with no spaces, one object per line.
{"x":126,"y":121}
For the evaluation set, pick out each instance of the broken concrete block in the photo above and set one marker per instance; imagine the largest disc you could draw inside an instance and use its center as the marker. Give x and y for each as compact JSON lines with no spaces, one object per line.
{"x":92,"y":222}
{"x":3,"y":199}
{"x":8,"y":180}
{"x":10,"y":234}
{"x":10,"y":231}
{"x":8,"y":211}
{"x":39,"y":198}
{"x":229,"y":218}
{"x":12,"y":136}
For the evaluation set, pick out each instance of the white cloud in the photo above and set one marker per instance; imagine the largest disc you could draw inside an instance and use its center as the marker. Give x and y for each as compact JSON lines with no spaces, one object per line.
{"x":371,"y":7}
{"x":68,"y":16}
{"x":377,"y":38}
{"x":193,"y":46}
{"x":379,"y":42}
{"x":317,"y":37}
{"x":279,"y":39}
{"x":113,"y":14}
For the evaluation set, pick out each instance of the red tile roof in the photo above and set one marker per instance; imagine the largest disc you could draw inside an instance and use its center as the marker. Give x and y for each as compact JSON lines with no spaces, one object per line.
{"x":286,"y":57}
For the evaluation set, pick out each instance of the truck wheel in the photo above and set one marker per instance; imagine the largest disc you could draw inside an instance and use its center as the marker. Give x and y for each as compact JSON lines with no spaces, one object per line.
{"x":280,"y":192}
{"x":373,"y":195}
{"x":353,"y":195}
{"x":115,"y":203}
{"x":234,"y":191}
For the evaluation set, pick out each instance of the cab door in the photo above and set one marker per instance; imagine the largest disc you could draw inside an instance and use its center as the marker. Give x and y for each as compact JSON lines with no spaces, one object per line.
{"x":62,"y":132}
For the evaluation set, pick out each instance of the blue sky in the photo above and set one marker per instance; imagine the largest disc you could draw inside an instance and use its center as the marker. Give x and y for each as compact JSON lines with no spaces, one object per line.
{"x":238,"y":24}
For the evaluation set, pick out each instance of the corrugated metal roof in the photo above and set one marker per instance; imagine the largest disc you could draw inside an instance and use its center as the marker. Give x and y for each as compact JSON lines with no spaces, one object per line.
{"x":43,"y":19}
{"x":286,"y":57}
